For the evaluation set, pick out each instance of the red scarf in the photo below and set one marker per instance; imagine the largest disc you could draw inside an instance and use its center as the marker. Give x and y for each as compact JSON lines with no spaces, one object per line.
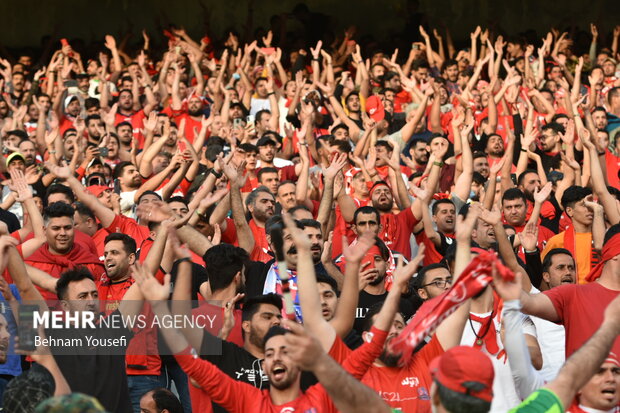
{"x":60,"y":263}
{"x":474,"y":279}
{"x":610,"y":250}
{"x":487,"y":329}
{"x":570,"y":244}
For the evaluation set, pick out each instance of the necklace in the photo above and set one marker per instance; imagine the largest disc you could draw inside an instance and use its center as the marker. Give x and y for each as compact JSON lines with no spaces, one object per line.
{"x":486,"y":328}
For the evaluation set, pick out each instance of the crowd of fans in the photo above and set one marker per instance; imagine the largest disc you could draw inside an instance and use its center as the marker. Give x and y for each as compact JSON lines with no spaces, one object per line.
{"x":325,"y":205}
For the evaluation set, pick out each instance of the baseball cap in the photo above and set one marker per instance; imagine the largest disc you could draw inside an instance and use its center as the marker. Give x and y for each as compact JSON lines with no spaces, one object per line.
{"x":97,"y":190}
{"x":375,"y":109}
{"x":465,"y":370}
{"x":71,"y":403}
{"x":14,"y":155}
{"x":264,"y":141}
{"x":27,"y":390}
{"x":69,"y":99}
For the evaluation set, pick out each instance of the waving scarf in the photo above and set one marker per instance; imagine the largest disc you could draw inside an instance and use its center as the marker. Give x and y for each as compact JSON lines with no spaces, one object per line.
{"x":475,"y":277}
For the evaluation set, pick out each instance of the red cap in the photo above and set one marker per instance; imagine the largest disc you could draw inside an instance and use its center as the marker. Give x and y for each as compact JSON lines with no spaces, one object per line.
{"x":374,"y":108}
{"x":465,"y":370}
{"x":97,"y":189}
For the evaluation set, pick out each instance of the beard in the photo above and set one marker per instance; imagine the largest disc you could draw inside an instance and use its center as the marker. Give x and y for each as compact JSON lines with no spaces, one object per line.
{"x":377,"y":280}
{"x":255,"y":337}
{"x":196,"y":112}
{"x":387,"y":357}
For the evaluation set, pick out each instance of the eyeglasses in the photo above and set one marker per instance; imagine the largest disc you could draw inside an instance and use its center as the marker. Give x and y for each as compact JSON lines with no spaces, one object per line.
{"x":440,"y":283}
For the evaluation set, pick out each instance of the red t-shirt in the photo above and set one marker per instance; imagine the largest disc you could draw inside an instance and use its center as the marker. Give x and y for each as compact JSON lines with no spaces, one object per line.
{"x":236,"y":396}
{"x":580,"y":309}
{"x":216,"y":313}
{"x":261,"y":246}
{"x":137,"y":123}
{"x":407,"y":388}
{"x":141,"y":356}
{"x":397,"y":229}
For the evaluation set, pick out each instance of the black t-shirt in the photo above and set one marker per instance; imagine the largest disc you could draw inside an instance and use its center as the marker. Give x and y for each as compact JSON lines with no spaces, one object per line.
{"x":364,"y":303}
{"x":10,"y":220}
{"x":96,"y":370}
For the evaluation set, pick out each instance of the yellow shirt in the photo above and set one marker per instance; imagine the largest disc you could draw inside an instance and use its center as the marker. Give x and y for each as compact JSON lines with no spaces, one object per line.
{"x":583,"y":252}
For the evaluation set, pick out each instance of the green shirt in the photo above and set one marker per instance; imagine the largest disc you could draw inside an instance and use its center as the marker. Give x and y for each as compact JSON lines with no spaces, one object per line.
{"x":541,"y":401}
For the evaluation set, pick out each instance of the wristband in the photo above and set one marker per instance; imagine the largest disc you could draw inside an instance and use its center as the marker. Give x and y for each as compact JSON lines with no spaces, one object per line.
{"x":51,"y":152}
{"x":199,"y":213}
{"x":523,"y":150}
{"x":218,"y":175}
{"x":439,"y":164}
{"x":530,"y":252}
{"x":315,"y":59}
{"x":184,"y":259}
{"x":601,"y":153}
{"x":271,"y":93}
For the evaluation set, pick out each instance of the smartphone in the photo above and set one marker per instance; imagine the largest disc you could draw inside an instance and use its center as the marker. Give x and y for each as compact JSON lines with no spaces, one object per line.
{"x":117,"y":186}
{"x":103,"y":152}
{"x":268,"y":50}
{"x":182,"y":145}
{"x":415,"y":46}
{"x":250,"y":119}
{"x":177,"y":49}
{"x":25,"y":329}
{"x":237,"y":123}
{"x":64,"y":42}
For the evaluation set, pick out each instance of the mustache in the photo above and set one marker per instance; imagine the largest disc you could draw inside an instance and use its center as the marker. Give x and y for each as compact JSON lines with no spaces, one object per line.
{"x":292,"y":250}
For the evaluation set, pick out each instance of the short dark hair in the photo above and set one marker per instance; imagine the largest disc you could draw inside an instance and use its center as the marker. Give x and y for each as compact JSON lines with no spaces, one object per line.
{"x":546,"y":264}
{"x":456,"y":402}
{"x":385,"y":144}
{"x":145,"y":193}
{"x":91,"y":102}
{"x":223,"y":262}
{"x":554,"y":126}
{"x":420,"y":279}
{"x":298,"y":208}
{"x":177,"y":199}
{"x":268,"y":170}
{"x":252,"y":304}
{"x":129,"y":244}
{"x":83,"y":210}
{"x":67,"y":277}
{"x":248,"y":147}
{"x":574,"y":194}
{"x":119,"y":169}
{"x":523,"y":174}
{"x":166,"y":400}
{"x":310,"y":223}
{"x":251,"y":199}
{"x":479,"y":154}
{"x":326,"y":279}
{"x":92,"y":117}
{"x":57,"y":210}
{"x":124,"y":123}
{"x":273,"y":332}
{"x":512,"y":194}
{"x":259,"y":115}
{"x":340,"y":126}
{"x":437,"y":203}
{"x":367,"y":210}
{"x":373,"y":310}
{"x":60,"y":189}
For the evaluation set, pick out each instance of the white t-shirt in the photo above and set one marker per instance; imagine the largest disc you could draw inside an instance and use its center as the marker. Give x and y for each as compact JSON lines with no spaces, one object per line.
{"x":257,"y":105}
{"x":505,"y":395}
{"x":551,"y":338}
{"x":127,"y":203}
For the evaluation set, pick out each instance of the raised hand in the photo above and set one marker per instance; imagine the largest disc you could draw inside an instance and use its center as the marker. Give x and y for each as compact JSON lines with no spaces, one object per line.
{"x":529,"y":236}
{"x":316,"y":51}
{"x":151,"y":289}
{"x":110,"y":42}
{"x":403,"y":273}
{"x":20,"y":186}
{"x":156,"y":211}
{"x":299,"y":237}
{"x":465,"y":226}
{"x":542,"y":195}
{"x":339,"y":161}
{"x":492,"y":217}
{"x":355,"y":253}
